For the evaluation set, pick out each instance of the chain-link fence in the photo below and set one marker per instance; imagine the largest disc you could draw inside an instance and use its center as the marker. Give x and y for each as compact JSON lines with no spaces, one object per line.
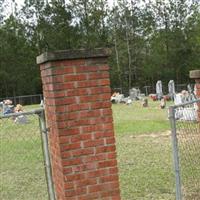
{"x":145,"y":167}
{"x":186,"y":149}
{"x":144,"y":151}
{"x":24,"y":157}
{"x":25,"y":99}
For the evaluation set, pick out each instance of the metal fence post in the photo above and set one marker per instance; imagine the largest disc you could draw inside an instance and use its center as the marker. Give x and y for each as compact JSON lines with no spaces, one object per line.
{"x":175,"y":152}
{"x":47,"y":161}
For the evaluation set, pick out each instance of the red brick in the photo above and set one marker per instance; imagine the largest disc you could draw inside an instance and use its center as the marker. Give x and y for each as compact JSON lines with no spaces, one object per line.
{"x":58,"y":79}
{"x":84,"y":69}
{"x":92,"y":68}
{"x":61,"y":71}
{"x":104,"y":82}
{"x":69,"y":185}
{"x":91,"y":196}
{"x":64,"y":140}
{"x":103,"y":187}
{"x":77,"y":98}
{"x":63,"y":86}
{"x":85,"y":182}
{"x":100,"y":105}
{"x":107,"y":163}
{"x":69,"y":131}
{"x":78,"y":92}
{"x":81,"y":137}
{"x":105,"y":149}
{"x":70,"y":146}
{"x":81,"y":152}
{"x":110,"y":140}
{"x":109,"y":178}
{"x":46,"y":72}
{"x":78,"y":107}
{"x":67,"y":116}
{"x":113,"y":170}
{"x":60,"y":108}
{"x":108,"y":126}
{"x":85,"y":167}
{"x":96,"y":76}
{"x":76,"y":192}
{"x":86,"y":84}
{"x":94,"y":158}
{"x":54,"y":94}
{"x":66,"y":154}
{"x":75,"y":77}
{"x":103,"y":134}
{"x":89,"y":113}
{"x":101,"y":120}
{"x":97,"y":173}
{"x":93,"y":143}
{"x":100,"y":90}
{"x":67,"y":170}
{"x":112,"y":155}
{"x":65,"y":101}
{"x":74,"y":177}
{"x":69,"y":63}
{"x":90,"y":129}
{"x":115,"y":194}
{"x":72,"y":161}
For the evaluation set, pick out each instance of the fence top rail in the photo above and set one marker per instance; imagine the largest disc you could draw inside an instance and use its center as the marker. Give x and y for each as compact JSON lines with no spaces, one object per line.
{"x":23,"y":96}
{"x":36,"y":111}
{"x":185,"y":104}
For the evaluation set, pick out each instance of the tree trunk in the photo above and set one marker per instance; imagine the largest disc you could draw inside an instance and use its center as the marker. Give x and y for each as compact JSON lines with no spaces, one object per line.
{"x":129,"y":57}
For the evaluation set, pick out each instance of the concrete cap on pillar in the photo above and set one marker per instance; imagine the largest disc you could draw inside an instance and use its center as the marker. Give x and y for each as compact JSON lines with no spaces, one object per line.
{"x":195,"y":74}
{"x":73,"y":54}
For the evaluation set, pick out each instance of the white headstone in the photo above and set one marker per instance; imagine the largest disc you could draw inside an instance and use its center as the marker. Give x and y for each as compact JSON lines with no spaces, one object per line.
{"x":171,"y":89}
{"x":159,"y":91}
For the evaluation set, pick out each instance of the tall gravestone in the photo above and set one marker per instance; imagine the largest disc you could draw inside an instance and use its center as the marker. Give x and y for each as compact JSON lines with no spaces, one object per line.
{"x":76,"y":88}
{"x":159,"y":91}
{"x":171,"y":89}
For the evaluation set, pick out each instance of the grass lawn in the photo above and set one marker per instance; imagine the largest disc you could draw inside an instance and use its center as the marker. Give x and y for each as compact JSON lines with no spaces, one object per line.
{"x":22,"y":175}
{"x":143,"y":147}
{"x":144,"y":152}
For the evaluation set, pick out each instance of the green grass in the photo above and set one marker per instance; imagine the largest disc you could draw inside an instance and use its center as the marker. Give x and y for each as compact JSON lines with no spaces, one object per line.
{"x":144,"y":152}
{"x":22,"y":175}
{"x":143,"y":147}
{"x":134,"y":119}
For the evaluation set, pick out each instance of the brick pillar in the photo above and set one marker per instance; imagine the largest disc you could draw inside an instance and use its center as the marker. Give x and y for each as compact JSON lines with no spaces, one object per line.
{"x":76,"y":88}
{"x":195,"y":74}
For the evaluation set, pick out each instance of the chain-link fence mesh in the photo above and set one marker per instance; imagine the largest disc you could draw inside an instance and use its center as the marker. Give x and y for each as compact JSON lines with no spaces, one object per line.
{"x":146,"y":167}
{"x":144,"y":151}
{"x":22,"y":173}
{"x":25,"y":99}
{"x":186,"y":131}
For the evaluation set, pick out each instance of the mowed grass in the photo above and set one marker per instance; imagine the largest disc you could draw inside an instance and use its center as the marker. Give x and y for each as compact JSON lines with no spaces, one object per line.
{"x":144,"y":152}
{"x":143,"y":148}
{"x":22,"y":175}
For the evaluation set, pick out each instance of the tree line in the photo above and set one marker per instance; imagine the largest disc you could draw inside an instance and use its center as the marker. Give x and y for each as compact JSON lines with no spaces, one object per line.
{"x":150,"y":39}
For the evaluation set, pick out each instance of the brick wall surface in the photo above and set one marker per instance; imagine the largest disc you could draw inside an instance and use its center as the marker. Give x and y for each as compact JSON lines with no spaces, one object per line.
{"x":82,"y":142}
{"x":195,"y":74}
{"x":198,"y":94}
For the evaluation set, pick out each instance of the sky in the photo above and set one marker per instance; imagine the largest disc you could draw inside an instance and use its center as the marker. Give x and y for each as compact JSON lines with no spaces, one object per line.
{"x":20,"y":2}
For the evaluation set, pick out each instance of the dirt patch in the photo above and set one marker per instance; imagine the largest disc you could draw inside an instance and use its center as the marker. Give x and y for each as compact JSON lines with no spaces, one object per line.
{"x":153,"y":135}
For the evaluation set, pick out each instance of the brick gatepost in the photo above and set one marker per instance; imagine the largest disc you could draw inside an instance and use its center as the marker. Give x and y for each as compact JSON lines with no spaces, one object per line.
{"x":195,"y":74}
{"x":76,"y":89}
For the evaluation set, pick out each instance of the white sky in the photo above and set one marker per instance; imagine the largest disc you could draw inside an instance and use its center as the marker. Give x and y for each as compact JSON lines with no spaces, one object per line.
{"x":20,"y":2}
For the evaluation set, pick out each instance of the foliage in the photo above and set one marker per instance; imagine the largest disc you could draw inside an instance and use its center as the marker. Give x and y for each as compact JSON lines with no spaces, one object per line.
{"x":150,"y":41}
